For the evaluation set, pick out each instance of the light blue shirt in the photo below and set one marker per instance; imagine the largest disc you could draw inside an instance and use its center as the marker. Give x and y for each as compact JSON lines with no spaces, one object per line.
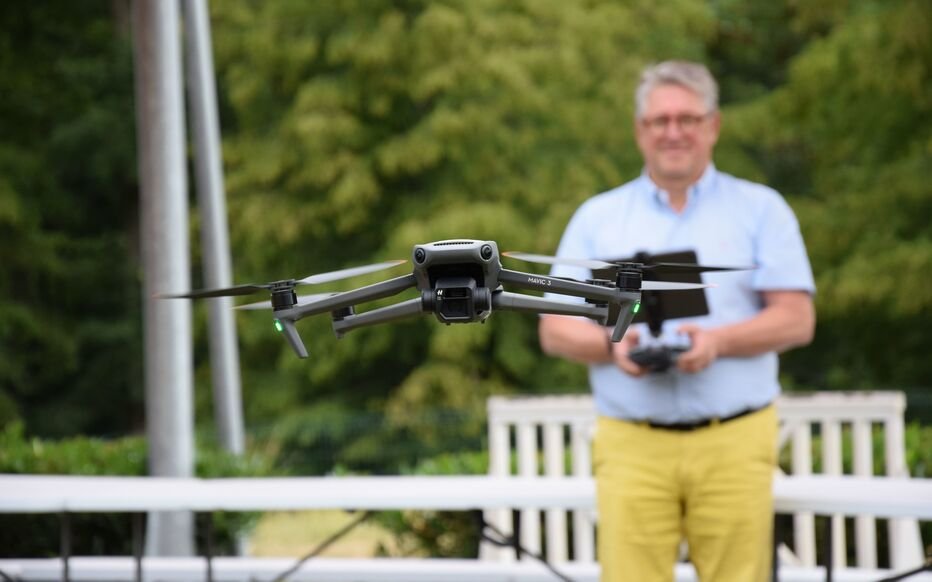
{"x":727,"y":221}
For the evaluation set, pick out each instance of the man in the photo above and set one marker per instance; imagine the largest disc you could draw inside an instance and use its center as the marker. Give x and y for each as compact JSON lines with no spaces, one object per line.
{"x":689,"y":453}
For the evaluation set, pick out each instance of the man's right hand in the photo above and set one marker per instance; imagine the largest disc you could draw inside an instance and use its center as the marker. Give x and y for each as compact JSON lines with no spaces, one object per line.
{"x":620,"y":352}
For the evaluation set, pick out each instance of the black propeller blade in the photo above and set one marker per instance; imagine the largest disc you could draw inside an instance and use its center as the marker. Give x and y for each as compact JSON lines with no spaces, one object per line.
{"x":597,"y":264}
{"x":671,"y":286}
{"x":685,"y":268}
{"x":249,"y":289}
{"x":347,"y":273}
{"x":551,"y":260}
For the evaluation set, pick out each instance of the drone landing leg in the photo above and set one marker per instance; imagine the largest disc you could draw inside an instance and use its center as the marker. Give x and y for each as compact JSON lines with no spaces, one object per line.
{"x":291,"y":334}
{"x":624,"y":320}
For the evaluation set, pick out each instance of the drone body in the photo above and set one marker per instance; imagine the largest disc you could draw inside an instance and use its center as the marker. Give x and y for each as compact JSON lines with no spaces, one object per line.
{"x":459,"y":281}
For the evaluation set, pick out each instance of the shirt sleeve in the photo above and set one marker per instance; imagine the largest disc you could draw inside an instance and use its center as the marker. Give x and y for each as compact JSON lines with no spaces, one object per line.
{"x":782,"y":261}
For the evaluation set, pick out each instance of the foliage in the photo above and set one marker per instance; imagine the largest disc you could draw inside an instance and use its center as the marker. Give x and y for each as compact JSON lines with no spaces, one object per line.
{"x":447,"y":534}
{"x":103,"y":534}
{"x":69,"y":292}
{"x":326,"y":438}
{"x":849,"y":136}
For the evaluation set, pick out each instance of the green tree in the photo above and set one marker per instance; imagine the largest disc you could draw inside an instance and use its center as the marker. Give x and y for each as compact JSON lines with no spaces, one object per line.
{"x":360,"y":129}
{"x":68,"y":277}
{"x":848,"y":137}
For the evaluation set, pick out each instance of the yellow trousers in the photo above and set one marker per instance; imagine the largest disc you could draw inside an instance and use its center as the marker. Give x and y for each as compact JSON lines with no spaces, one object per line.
{"x":711,"y":486}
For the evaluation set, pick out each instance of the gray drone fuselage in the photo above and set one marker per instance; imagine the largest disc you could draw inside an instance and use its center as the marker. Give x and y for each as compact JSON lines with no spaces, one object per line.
{"x":457,"y":278}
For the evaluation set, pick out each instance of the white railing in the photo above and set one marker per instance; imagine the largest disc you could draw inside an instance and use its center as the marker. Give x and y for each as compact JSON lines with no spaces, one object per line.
{"x":541,"y":431}
{"x":121,"y":569}
{"x":877,"y":496}
{"x":822,"y":494}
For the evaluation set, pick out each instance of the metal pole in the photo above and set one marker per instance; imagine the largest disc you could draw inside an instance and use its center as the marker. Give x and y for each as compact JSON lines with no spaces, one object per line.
{"x":202,"y":99}
{"x":66,"y":546}
{"x":209,"y":543}
{"x":775,"y":549}
{"x":165,"y":261}
{"x":138,"y":526}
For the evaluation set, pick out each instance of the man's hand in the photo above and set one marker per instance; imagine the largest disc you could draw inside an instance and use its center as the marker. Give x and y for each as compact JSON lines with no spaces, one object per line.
{"x":703,"y":352}
{"x":620,"y":354}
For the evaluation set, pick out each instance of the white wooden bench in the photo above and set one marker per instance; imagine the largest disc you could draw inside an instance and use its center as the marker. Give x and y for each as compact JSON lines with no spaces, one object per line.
{"x":548,"y":433}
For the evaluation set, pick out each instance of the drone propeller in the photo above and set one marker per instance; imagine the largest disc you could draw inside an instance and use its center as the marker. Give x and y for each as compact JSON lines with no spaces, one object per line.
{"x":596,"y":264}
{"x":685,"y":268}
{"x":302,"y":300}
{"x":347,"y":273}
{"x":551,"y":260}
{"x":249,"y":289}
{"x":672,"y":286}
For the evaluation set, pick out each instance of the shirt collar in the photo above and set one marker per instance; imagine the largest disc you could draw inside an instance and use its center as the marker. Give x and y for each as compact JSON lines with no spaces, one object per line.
{"x":704,"y":184}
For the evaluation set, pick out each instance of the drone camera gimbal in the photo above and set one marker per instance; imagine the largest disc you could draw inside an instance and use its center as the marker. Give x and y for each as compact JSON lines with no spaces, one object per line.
{"x":458,"y":300}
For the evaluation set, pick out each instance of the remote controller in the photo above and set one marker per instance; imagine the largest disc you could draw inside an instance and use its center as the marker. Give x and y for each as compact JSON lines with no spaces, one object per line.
{"x":656,"y":358}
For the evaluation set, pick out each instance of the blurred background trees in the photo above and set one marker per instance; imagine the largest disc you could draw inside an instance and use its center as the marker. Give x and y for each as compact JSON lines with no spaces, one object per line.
{"x":70,"y":334}
{"x":355,"y":129}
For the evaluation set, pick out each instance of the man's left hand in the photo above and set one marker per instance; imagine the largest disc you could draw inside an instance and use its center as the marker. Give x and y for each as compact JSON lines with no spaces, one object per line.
{"x":703,"y":352}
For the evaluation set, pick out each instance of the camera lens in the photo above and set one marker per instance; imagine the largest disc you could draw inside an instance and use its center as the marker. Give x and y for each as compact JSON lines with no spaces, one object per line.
{"x":486,"y":252}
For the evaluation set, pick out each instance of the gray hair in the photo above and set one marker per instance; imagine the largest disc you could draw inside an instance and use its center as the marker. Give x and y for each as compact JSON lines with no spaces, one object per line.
{"x":692,"y":76}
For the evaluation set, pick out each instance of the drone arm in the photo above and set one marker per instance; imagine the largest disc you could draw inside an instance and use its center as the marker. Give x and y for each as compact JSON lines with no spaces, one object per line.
{"x":566,"y":287}
{"x":350,"y":298}
{"x":528,"y":303}
{"x":395,"y":312}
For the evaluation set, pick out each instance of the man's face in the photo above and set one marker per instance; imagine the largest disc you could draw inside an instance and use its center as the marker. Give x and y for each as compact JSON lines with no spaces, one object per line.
{"x":676,"y":134}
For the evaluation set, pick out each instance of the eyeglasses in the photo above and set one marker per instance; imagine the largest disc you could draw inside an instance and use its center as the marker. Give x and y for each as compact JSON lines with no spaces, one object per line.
{"x":685,"y":123}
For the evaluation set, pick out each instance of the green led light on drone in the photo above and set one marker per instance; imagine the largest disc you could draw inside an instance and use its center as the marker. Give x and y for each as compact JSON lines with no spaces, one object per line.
{"x":636,"y":308}
{"x":278,"y":325}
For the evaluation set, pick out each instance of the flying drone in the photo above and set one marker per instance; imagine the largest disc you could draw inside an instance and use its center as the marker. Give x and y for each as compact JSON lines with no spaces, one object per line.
{"x":459,"y":281}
